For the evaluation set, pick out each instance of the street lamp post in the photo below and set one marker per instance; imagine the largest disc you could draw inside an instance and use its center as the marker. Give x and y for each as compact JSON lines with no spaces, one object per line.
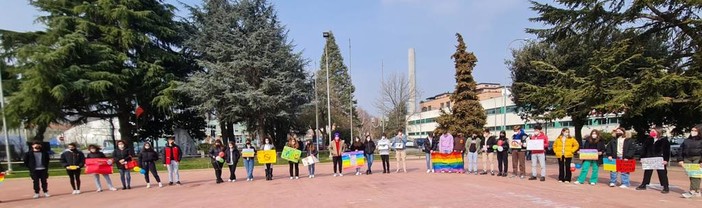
{"x":4,"y":127}
{"x":504,"y":90}
{"x":350,"y":96}
{"x":326,"y":59}
{"x":316,"y":112}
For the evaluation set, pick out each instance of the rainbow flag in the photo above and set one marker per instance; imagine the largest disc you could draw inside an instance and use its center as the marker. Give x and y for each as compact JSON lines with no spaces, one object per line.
{"x":352,"y":159}
{"x":447,"y":162}
{"x":2,"y":177}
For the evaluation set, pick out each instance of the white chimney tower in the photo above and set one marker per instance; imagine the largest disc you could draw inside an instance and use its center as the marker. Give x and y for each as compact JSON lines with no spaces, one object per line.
{"x":412,"y":83}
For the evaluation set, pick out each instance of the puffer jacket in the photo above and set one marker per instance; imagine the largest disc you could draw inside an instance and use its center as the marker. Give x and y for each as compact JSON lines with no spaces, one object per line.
{"x":691,"y":147}
{"x":571,"y":145}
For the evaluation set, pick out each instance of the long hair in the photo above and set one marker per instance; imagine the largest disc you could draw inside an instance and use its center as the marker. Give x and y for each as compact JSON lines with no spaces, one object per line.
{"x":594,"y":140}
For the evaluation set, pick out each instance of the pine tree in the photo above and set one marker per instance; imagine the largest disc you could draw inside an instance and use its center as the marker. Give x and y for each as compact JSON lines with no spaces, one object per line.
{"x":341,"y":87}
{"x":467,"y":115}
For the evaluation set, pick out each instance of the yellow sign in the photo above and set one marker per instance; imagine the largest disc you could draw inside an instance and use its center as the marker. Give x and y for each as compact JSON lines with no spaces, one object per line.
{"x":266,"y":156}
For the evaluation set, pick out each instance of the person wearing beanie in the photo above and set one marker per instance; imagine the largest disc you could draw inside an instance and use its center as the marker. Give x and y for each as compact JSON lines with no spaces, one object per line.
{"x":336,"y":148}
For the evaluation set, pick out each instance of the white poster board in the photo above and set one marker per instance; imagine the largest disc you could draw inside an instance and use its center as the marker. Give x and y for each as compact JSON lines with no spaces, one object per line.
{"x":535,"y":144}
{"x":652,"y":163}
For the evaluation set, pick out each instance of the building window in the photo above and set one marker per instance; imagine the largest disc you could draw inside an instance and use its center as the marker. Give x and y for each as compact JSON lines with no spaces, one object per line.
{"x":424,"y":109}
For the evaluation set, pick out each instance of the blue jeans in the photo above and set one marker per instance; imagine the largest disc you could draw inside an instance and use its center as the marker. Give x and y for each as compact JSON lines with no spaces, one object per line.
{"x":249,"y":164}
{"x":125,"y":177}
{"x":310,"y":168}
{"x":369,"y":160}
{"x":473,"y":161}
{"x":428,"y":161}
{"x":613,"y":177}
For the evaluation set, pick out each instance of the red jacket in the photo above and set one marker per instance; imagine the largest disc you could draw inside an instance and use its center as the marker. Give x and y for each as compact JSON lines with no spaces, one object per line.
{"x":541,"y":136}
{"x":172,"y":153}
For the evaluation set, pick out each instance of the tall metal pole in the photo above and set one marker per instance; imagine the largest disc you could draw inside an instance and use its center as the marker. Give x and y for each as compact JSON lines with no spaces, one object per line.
{"x":316,"y":111}
{"x":504,"y":108}
{"x":326,"y":59}
{"x":350,"y":96}
{"x":4,"y":127}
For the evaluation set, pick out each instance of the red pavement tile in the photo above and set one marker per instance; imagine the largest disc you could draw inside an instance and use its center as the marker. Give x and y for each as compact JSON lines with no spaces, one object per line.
{"x":413,"y":189}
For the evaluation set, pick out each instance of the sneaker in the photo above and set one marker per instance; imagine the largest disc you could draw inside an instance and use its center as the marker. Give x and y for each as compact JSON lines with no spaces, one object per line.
{"x":521,"y":177}
{"x":178,"y":183}
{"x":74,"y":192}
{"x":665,"y":191}
{"x":292,"y":178}
{"x":229,"y":180}
{"x":641,"y":187}
{"x":560,"y":181}
{"x":310,"y":176}
{"x":512,"y":176}
{"x":148,"y":185}
{"x":492,"y":173}
{"x":341,"y":175}
{"x":432,"y":171}
{"x":160,"y":185}
{"x":543,"y":179}
{"x":476,"y":173}
{"x":36,"y":196}
{"x":567,"y":182}
{"x":612,"y":185}
{"x":429,"y":171}
{"x":686,"y":195}
{"x":533,"y":178}
{"x":592,"y":184}
{"x":170,"y":183}
{"x":77,"y":192}
{"x":124,"y":188}
{"x":335,"y":175}
{"x":624,"y":186}
{"x":46,"y":195}
{"x":577,"y":183}
{"x":499,"y":174}
{"x":296,"y":177}
{"x":99,"y":190}
{"x":113,"y":189}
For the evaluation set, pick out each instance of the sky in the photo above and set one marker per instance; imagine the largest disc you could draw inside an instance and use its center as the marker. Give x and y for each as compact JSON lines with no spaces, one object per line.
{"x":380,"y":34}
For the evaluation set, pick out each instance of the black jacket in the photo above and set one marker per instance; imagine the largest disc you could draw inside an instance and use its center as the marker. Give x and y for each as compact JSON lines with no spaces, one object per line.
{"x":599,"y":146}
{"x":97,"y":154}
{"x":660,"y":148}
{"x":252,"y":147}
{"x":492,"y":140}
{"x":214,"y":151}
{"x":147,"y":156}
{"x":427,"y":147}
{"x":628,"y":151}
{"x":31,"y":163}
{"x":435,"y":143}
{"x":125,"y":155}
{"x":76,"y":158}
{"x":691,"y":147}
{"x":235,"y":153}
{"x":369,"y":147}
{"x":505,"y":145}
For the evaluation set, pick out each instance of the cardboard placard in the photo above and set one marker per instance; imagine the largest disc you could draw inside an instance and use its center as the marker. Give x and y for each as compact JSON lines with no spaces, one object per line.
{"x":652,"y":163}
{"x":266,"y":156}
{"x":693,"y":170}
{"x":626,"y":166}
{"x":291,"y":154}
{"x":310,"y":160}
{"x":247,"y":152}
{"x":609,"y":165}
{"x":535,"y":144}
{"x":589,"y":154}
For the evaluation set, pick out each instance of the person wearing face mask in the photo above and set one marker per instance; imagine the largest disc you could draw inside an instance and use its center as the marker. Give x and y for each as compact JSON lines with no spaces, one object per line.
{"x":472,"y":147}
{"x":368,"y":150}
{"x":293,"y":143}
{"x":73,"y":160}
{"x":427,"y":149}
{"x":249,"y":161}
{"x":384,"y":151}
{"x":123,"y":155}
{"x":147,"y":161}
{"x":37,"y":161}
{"x":592,"y":142}
{"x":311,"y":151}
{"x":565,"y":147}
{"x":96,"y":153}
{"x":518,"y":151}
{"x":172,"y":155}
{"x":399,"y":143}
{"x":487,"y":152}
{"x":539,"y":156}
{"x":335,"y":149}
{"x":231,"y":157}
{"x":621,"y":147}
{"x":216,"y":154}
{"x":502,"y":152}
{"x":268,"y":145}
{"x":357,"y":145}
{"x":690,"y":153}
{"x":654,"y":146}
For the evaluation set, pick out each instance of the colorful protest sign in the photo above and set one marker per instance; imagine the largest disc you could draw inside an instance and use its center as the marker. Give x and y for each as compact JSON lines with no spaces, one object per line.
{"x":535,"y":144}
{"x":588,"y":154}
{"x":98,"y":166}
{"x":247,"y":153}
{"x":609,"y":165}
{"x":693,"y":170}
{"x":626,"y":166}
{"x":652,"y":163}
{"x":291,"y":154}
{"x":447,"y":162}
{"x":266,"y":156}
{"x":309,"y":160}
{"x":2,"y":178}
{"x":352,"y":159}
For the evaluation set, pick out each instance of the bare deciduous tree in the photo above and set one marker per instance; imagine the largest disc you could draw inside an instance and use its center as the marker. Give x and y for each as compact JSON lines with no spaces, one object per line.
{"x":395,"y":93}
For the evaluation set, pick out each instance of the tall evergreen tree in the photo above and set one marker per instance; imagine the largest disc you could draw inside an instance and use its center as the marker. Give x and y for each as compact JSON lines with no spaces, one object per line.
{"x":467,"y":115}
{"x":252,"y":74}
{"x":341,"y":87}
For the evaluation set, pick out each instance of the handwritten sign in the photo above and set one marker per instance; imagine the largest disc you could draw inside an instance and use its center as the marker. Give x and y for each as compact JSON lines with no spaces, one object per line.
{"x":266,"y":156}
{"x":589,"y":154}
{"x":535,"y":144}
{"x":626,"y":166}
{"x":291,"y":154}
{"x":693,"y":170}
{"x":247,"y":152}
{"x":609,"y":165}
{"x":515,"y":144}
{"x":652,"y":163}
{"x":309,"y":160}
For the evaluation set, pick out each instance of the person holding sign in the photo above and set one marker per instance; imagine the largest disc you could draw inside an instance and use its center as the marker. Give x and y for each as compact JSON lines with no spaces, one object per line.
{"x":517,"y":145}
{"x":501,"y":147}
{"x":335,"y":149}
{"x":537,"y":144}
{"x":96,"y":153}
{"x":622,"y":148}
{"x":384,"y":150}
{"x":232,"y":159}
{"x":248,"y":154}
{"x":147,"y":160}
{"x":368,"y":149}
{"x":690,"y":153}
{"x":311,"y":152}
{"x":357,"y":145}
{"x":293,"y":143}
{"x":654,"y":146}
{"x":592,"y":142}
{"x":73,"y":160}
{"x":565,"y":147}
{"x":399,"y":144}
{"x":123,"y":157}
{"x":268,"y":145}
{"x":217,"y":159}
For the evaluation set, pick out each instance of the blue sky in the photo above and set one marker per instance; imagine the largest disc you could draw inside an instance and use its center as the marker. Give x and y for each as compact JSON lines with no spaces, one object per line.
{"x":383,"y":31}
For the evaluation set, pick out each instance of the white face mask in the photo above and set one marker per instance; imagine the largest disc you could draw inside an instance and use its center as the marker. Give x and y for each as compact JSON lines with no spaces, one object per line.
{"x":120,"y":146}
{"x":566,"y":134}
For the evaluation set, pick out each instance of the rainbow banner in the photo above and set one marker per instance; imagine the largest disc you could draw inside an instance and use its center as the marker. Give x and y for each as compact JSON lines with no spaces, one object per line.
{"x":447,"y":162}
{"x":2,"y":178}
{"x":352,"y":159}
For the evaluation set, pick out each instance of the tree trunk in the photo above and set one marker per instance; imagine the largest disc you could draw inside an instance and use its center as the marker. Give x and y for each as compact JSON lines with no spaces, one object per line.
{"x":41,"y":129}
{"x":223,"y":127}
{"x":126,"y":129}
{"x":579,"y":122}
{"x":112,"y":132}
{"x":230,"y":132}
{"x":259,"y":128}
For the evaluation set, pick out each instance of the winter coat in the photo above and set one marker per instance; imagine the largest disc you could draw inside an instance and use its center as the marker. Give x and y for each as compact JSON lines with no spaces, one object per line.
{"x":628,"y":151}
{"x":656,"y":148}
{"x":691,"y":147}
{"x":229,"y":153}
{"x":459,"y":144}
{"x":369,"y":147}
{"x":96,"y":154}
{"x":172,"y":153}
{"x":435,"y":143}
{"x":30,"y":162}
{"x":492,"y":140}
{"x":146,"y":157}
{"x":70,"y":158}
{"x":357,"y":146}
{"x":478,"y":144}
{"x":599,"y":146}
{"x":334,"y":151}
{"x":428,"y":146}
{"x":125,"y":155}
{"x":571,"y":146}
